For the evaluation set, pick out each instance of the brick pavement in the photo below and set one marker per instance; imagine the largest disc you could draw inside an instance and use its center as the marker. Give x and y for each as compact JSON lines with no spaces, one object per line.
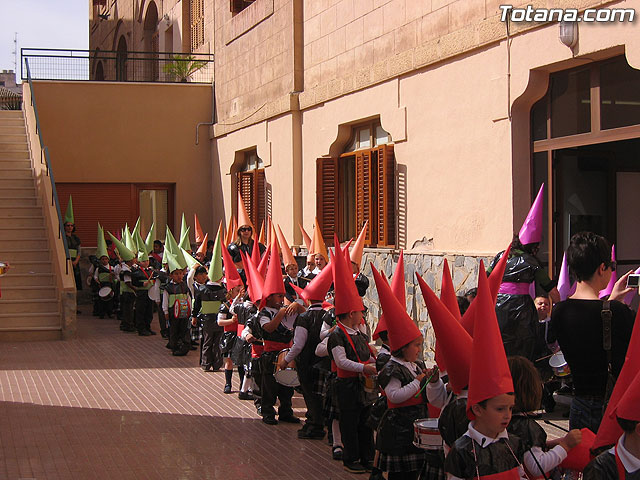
{"x":110,"y":405}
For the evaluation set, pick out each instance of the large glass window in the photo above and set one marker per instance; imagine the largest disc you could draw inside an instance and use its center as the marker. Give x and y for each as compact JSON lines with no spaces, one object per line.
{"x":619,"y":94}
{"x":570,"y":103}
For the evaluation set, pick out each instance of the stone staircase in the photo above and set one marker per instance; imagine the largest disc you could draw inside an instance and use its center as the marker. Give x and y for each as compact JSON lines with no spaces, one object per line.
{"x":29,"y":306}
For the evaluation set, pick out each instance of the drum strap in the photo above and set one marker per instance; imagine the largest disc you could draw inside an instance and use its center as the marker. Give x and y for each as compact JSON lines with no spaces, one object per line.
{"x":344,"y":330}
{"x":606,"y":330}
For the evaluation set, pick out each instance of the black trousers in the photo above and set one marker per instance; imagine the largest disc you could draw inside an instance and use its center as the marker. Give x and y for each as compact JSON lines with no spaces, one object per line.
{"x":127,"y":302}
{"x":104,"y":307}
{"x":312,"y":400}
{"x":162,"y":320}
{"x":179,"y":335}
{"x":272,"y":390}
{"x":210,"y":347}
{"x":357,"y":437}
{"x":144,"y":311}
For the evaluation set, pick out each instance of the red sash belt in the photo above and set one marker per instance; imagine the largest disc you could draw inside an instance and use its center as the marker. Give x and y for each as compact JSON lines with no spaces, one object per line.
{"x":231,"y":328}
{"x":270,"y":346}
{"x":240,"y":329}
{"x":347,"y":373}
{"x":508,"y":475}
{"x":256,"y":350}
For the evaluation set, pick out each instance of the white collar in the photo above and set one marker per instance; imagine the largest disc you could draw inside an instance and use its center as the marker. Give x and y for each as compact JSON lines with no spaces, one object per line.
{"x":349,"y":330}
{"x":481,"y":439}
{"x":315,"y":306}
{"x":412,"y":367}
{"x":630,"y":462}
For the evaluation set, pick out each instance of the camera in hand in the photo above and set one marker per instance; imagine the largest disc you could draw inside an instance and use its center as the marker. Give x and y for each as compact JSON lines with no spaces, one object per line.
{"x":633,"y":281}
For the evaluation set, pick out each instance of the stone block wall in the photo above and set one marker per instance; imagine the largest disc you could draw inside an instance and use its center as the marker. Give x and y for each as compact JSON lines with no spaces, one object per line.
{"x":464,"y":269}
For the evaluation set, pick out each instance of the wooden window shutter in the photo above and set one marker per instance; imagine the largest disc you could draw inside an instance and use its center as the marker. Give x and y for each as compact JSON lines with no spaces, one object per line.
{"x":327,"y":197}
{"x":245,"y":188}
{"x":260,"y":196}
{"x":252,"y":186}
{"x":386,"y":196}
{"x":364,"y":192}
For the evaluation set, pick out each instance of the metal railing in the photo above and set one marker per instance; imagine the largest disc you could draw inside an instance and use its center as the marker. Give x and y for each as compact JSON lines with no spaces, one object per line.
{"x":117,"y":66}
{"x":44,"y":159}
{"x":10,"y":100}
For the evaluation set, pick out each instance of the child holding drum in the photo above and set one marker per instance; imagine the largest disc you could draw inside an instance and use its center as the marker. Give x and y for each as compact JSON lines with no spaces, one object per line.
{"x":538,"y":460}
{"x":403,"y":379}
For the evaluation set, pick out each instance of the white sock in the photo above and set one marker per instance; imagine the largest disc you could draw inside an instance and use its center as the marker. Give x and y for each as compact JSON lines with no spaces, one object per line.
{"x":245,"y":384}
{"x":337,"y":436}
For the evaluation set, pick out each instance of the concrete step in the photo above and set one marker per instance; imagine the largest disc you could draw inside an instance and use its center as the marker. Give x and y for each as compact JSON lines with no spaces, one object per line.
{"x":14,"y":147}
{"x":9,"y":321}
{"x":32,"y":306}
{"x":15,"y":172}
{"x":12,"y":279}
{"x":19,"y":197}
{"x":13,"y":137}
{"x":20,"y":252}
{"x":13,"y":163}
{"x":12,"y":122}
{"x":5,"y":114}
{"x":33,"y":245}
{"x":29,"y":266}
{"x":33,"y":335}
{"x":21,"y":234}
{"x":13,"y":129}
{"x":26,"y":292}
{"x":11,"y":155}
{"x":22,"y":221}
{"x":19,"y":210}
{"x":6,"y":182}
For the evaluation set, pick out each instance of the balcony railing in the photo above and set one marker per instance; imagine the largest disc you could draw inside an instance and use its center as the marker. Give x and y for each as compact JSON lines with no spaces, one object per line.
{"x":10,"y":100}
{"x":117,"y":66}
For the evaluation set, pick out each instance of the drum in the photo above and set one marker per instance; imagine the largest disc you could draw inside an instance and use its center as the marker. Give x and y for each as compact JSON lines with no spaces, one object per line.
{"x":369,"y":383}
{"x":287,"y":377}
{"x":426,"y":434}
{"x":105,"y":293}
{"x":3,"y":268}
{"x":559,"y":365}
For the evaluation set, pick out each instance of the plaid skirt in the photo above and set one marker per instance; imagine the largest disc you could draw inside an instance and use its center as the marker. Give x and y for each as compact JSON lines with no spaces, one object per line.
{"x":320,"y":381}
{"x":406,"y":462}
{"x":330,"y":409}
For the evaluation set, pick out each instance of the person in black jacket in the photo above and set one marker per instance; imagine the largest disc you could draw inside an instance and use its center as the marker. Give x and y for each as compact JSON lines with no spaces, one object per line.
{"x":578,"y":323}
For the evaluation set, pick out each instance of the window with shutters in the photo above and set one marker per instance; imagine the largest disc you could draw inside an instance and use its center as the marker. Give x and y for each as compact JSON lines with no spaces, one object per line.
{"x":252,"y":185}
{"x":238,"y":5}
{"x":196,"y":18}
{"x":358,"y":186}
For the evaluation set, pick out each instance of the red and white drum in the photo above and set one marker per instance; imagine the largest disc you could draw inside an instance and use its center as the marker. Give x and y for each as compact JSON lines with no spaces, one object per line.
{"x":426,"y":434}
{"x":288,"y":376}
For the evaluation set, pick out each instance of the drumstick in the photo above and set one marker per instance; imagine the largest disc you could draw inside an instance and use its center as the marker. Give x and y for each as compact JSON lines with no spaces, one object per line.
{"x":555,"y":425}
{"x":426,"y":383}
{"x":543,"y":358}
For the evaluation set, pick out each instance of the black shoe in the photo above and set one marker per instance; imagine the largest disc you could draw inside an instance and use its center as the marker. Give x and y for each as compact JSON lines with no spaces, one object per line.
{"x":311,"y":434}
{"x":128,"y":329}
{"x":245,"y":396}
{"x":270,"y":420}
{"x":354,"y":467}
{"x":377,"y":475}
{"x":337,"y":453}
{"x":178,"y":353}
{"x":194,"y":344}
{"x":330,"y":438}
{"x":164,"y":334}
{"x":206,"y":368}
{"x":289,"y":419}
{"x":144,"y":333}
{"x":193,"y":347}
{"x":152,"y":332}
{"x":368,"y":466}
{"x":168,"y":345}
{"x":227,"y":388}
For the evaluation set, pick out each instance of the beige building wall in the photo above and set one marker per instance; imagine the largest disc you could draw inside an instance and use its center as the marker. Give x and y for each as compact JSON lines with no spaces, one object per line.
{"x":127,"y":17}
{"x":438,"y":76}
{"x":132,"y":132}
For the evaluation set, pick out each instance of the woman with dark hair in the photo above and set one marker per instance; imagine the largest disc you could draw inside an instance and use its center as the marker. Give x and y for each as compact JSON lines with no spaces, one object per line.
{"x":578,"y":323}
{"x":244,"y":240}
{"x":516,"y":312}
